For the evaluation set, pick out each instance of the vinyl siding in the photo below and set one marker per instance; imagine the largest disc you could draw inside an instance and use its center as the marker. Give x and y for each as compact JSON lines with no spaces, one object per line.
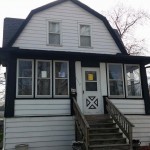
{"x":40,"y":132}
{"x":34,"y":36}
{"x":130,"y":106}
{"x":141,"y":131}
{"x":42,"y":107}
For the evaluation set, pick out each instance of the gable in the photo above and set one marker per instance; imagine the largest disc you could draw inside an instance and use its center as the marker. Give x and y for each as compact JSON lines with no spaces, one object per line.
{"x":70,"y":14}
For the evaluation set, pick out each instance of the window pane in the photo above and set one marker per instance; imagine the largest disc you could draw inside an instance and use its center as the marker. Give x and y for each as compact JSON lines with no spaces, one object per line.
{"x":91,"y":86}
{"x":54,"y":38}
{"x":85,"y":41}
{"x":85,"y":30}
{"x":25,"y":68}
{"x":115,"y":71}
{"x":133,"y":72}
{"x":25,"y":86}
{"x":134,"y":88}
{"x":61,"y":87}
{"x":90,"y":76}
{"x":116,"y":87}
{"x":54,"y":27}
{"x":133,"y":80}
{"x":61,"y":70}
{"x":43,"y":69}
{"x":43,"y":87}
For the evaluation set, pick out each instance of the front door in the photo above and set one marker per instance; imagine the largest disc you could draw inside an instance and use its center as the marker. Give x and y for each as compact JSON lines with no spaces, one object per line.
{"x":92,"y":98}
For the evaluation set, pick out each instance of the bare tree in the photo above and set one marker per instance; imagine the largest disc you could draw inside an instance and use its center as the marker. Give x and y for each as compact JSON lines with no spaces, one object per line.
{"x":127,"y":20}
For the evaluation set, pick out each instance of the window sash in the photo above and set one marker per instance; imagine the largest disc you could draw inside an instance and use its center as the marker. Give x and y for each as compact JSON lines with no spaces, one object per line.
{"x":18,"y":77}
{"x":54,"y":35}
{"x":61,"y":80}
{"x":56,"y":79}
{"x":132,"y":80}
{"x":121,"y":92}
{"x":39,"y":80}
{"x":85,"y":38}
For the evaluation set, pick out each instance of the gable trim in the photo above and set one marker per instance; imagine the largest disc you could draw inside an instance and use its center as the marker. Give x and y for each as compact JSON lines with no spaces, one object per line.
{"x":85,"y":7}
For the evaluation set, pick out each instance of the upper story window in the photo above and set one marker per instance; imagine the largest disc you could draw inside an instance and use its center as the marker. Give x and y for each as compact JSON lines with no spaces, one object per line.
{"x":54,"y":35}
{"x":85,"y":35}
{"x":133,"y":82}
{"x":115,"y":77}
{"x":24,"y":78}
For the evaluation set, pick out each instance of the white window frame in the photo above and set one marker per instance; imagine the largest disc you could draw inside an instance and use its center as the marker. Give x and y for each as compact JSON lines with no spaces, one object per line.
{"x":115,"y":96}
{"x":60,"y":96}
{"x":60,"y":25}
{"x":127,"y":81}
{"x":86,"y":24}
{"x":36,"y":77}
{"x":17,"y":77}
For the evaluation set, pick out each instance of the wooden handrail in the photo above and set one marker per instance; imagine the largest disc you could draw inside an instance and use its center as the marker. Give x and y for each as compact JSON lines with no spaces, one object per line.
{"x":124,"y":124}
{"x":81,"y":123}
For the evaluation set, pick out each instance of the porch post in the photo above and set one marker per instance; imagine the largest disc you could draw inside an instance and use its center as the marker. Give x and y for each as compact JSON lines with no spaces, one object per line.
{"x":79,"y":89}
{"x":145,"y":91}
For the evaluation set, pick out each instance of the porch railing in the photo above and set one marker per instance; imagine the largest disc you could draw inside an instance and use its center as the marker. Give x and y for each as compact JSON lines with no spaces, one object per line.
{"x":81,"y":123}
{"x":124,"y":124}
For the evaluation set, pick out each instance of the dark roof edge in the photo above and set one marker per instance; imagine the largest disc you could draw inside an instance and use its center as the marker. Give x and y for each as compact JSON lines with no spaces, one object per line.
{"x":29,"y":52}
{"x":85,"y":7}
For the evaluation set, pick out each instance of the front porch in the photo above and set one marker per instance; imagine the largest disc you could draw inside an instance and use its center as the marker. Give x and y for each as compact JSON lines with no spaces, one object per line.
{"x":103,"y":131}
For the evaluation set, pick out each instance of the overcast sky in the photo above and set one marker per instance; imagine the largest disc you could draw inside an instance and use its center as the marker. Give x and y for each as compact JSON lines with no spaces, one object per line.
{"x":21,"y":8}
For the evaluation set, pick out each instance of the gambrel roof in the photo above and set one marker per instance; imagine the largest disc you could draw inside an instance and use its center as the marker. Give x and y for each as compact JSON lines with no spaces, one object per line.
{"x":11,"y":25}
{"x":83,"y":6}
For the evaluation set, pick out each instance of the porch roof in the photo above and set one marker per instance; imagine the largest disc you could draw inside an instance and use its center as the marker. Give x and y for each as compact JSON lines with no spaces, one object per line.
{"x":6,"y":53}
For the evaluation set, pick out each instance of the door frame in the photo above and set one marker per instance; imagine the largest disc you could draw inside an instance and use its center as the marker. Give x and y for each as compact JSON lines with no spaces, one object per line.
{"x":99,"y":93}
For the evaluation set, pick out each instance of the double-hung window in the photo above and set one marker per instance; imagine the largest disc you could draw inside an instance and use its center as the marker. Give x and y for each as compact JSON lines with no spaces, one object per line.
{"x":46,"y":82}
{"x":54,"y":35}
{"x":115,"y":80}
{"x":24,"y":78}
{"x":43,"y":78}
{"x":85,"y":35}
{"x":61,"y":79}
{"x":133,"y":82}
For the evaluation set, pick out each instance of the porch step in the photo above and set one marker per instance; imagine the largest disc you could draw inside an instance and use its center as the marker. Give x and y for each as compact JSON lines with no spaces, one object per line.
{"x":104,"y":130}
{"x":107,"y":141}
{"x":98,"y":125}
{"x":110,"y":147}
{"x":104,"y":135}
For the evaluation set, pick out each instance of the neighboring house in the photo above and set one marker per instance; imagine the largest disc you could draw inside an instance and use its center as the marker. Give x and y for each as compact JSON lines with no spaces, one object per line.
{"x":62,"y":49}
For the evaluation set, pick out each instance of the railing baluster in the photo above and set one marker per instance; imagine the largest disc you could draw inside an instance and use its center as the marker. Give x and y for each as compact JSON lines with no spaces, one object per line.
{"x":81,"y":123}
{"x":124,"y":124}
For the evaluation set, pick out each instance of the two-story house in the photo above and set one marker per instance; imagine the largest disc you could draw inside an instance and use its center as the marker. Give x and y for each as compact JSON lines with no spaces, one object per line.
{"x":70,"y":78}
